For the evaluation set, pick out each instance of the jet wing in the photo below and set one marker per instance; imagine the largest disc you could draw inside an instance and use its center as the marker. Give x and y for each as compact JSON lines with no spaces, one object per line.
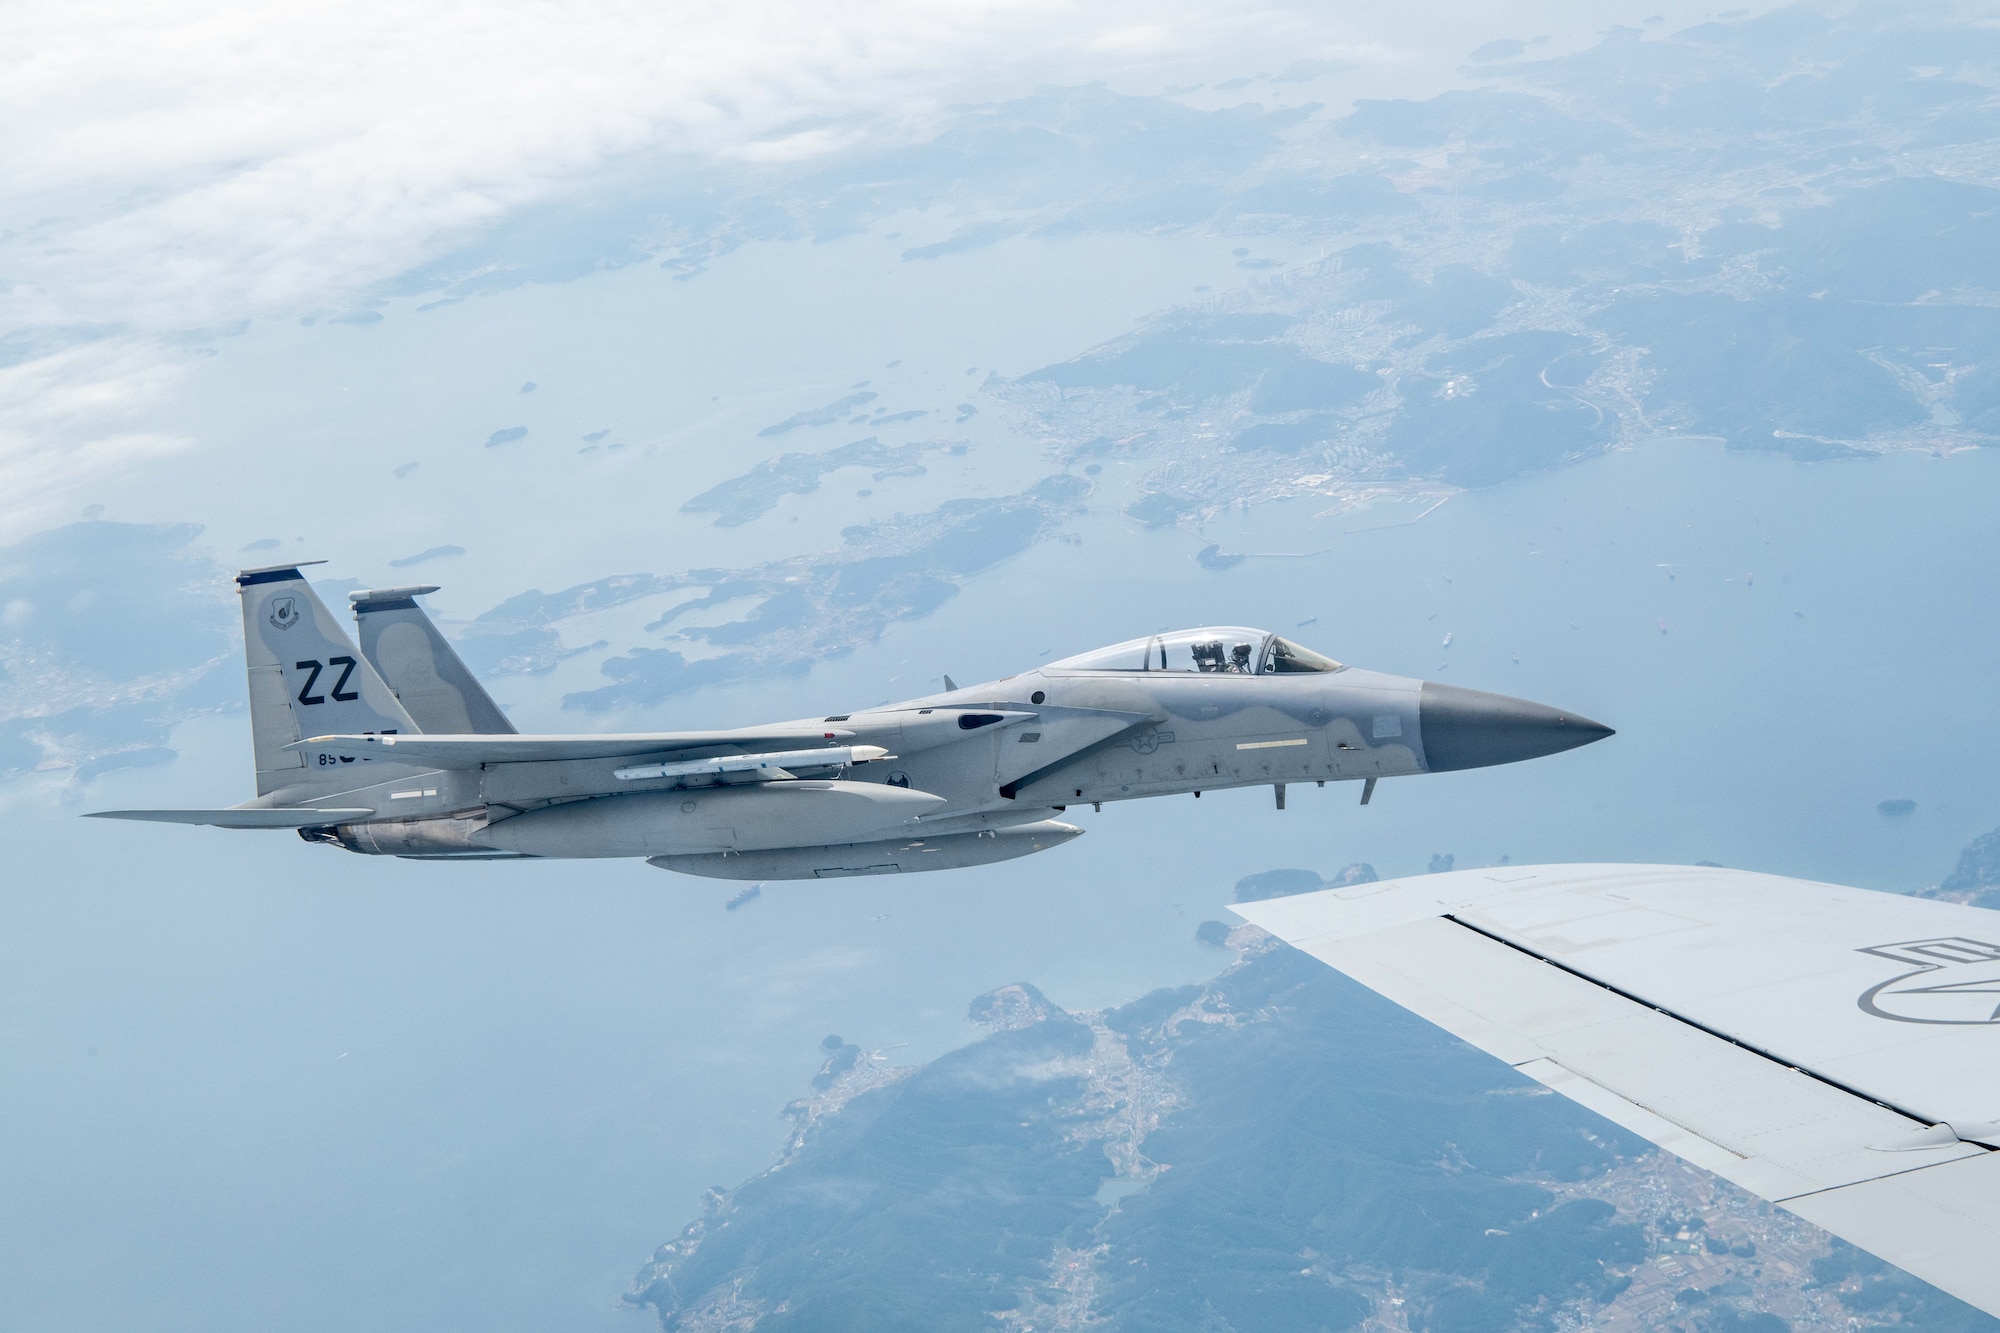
{"x":1833,"y":1050}
{"x":239,"y":818}
{"x":474,"y":751}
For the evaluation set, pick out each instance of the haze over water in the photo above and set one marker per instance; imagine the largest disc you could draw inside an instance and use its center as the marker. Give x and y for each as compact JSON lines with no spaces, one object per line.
{"x":258,"y":1084}
{"x":481,"y":1094}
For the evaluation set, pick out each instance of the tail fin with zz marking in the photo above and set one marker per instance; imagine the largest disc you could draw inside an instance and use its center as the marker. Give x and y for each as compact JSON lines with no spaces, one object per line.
{"x":306,"y":679}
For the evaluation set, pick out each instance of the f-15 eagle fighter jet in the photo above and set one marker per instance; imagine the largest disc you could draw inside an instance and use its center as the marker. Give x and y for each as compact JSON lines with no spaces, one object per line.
{"x":395,"y":749}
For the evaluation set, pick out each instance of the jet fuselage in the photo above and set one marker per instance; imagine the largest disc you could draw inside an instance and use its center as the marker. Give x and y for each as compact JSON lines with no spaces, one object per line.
{"x":959,"y":778}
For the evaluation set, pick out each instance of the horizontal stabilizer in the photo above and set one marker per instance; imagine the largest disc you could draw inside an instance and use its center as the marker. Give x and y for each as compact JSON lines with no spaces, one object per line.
{"x":474,"y":751}
{"x":239,"y":818}
{"x":1834,"y":1050}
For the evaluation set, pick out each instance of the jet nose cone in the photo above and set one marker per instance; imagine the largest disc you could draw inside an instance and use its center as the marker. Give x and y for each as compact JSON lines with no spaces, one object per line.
{"x":1472,"y":729}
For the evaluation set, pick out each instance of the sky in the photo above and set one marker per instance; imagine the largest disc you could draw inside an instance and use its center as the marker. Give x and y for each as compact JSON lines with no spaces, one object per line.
{"x":178,"y":171}
{"x":174,"y":174}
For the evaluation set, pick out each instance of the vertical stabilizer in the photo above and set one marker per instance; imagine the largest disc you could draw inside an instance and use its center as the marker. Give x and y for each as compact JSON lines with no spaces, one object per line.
{"x":306,"y":679}
{"x":428,"y":678}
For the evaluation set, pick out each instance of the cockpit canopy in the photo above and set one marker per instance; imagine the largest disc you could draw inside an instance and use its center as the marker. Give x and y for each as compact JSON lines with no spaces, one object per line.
{"x":1228,"y":650}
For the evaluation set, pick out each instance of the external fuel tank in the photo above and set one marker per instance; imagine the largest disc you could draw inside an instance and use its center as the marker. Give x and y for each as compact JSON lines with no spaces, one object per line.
{"x":753,"y":817}
{"x":949,"y":851}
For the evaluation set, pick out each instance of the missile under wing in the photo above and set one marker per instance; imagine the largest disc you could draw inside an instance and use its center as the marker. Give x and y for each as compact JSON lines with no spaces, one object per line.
{"x":1833,"y":1050}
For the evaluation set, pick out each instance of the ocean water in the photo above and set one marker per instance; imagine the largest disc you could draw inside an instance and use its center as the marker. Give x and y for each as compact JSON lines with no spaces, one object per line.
{"x":296,"y":433}
{"x":246,"y":1083}
{"x":254,"y":1083}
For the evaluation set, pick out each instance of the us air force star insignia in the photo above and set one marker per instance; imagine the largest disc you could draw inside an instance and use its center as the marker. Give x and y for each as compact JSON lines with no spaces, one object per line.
{"x":1956,"y":981}
{"x":284,"y":612}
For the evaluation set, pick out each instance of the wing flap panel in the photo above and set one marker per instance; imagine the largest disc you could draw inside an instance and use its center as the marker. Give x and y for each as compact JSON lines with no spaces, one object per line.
{"x":1937,"y":1223}
{"x":1676,"y":1139}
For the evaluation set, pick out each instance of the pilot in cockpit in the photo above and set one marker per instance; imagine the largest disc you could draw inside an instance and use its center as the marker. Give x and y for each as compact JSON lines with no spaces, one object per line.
{"x":1209,"y":656}
{"x":1216,"y":649}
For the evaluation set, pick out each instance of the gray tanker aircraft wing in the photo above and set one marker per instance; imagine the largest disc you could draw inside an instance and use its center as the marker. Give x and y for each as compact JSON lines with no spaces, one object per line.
{"x":1833,"y":1050}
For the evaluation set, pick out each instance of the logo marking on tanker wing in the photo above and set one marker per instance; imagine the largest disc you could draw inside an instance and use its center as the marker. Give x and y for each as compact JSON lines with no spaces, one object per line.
{"x":1954,"y":981}
{"x":284,"y":612}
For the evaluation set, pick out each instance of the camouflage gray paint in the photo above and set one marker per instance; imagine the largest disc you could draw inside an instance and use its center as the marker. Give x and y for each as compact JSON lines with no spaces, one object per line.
{"x":961,"y":778}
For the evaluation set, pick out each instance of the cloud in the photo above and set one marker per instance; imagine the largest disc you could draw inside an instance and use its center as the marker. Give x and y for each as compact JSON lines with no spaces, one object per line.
{"x":189,"y":165}
{"x":201,"y":161}
{"x":77,"y":412}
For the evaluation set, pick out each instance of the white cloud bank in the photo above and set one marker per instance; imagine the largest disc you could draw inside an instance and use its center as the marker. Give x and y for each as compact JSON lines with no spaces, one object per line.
{"x":192,"y":164}
{"x":180,"y":163}
{"x":188,"y":165}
